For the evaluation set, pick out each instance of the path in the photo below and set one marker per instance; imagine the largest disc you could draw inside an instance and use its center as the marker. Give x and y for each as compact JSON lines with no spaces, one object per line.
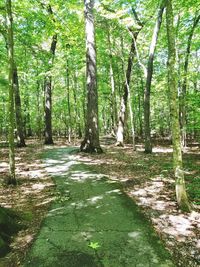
{"x":92,"y":211}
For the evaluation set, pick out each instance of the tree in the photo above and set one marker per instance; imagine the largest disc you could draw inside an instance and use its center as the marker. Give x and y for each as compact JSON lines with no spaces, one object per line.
{"x":9,"y":20}
{"x":124,"y":98}
{"x":48,"y":89}
{"x":181,"y":194}
{"x":147,"y":128}
{"x":126,"y":86}
{"x":185,"y":78}
{"x":91,"y":141}
{"x":17,"y":98}
{"x":18,"y":112}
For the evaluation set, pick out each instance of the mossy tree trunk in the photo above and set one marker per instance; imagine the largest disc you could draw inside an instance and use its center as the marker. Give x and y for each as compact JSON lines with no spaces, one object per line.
{"x":9,"y":21}
{"x":181,"y":194}
{"x":91,"y":141}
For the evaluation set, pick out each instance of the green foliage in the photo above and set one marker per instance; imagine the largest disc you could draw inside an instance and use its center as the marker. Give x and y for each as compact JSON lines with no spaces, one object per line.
{"x":33,"y":31}
{"x":193,"y":188}
{"x":94,"y":245}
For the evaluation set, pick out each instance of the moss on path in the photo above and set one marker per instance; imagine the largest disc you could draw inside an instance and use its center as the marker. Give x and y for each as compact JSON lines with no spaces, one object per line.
{"x":92,"y":223}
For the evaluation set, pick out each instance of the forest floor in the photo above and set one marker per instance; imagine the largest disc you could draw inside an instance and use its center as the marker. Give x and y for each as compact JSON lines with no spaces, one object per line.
{"x":145,"y":178}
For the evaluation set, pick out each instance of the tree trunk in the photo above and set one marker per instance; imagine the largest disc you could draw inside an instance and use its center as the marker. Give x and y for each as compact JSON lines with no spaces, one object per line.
{"x":9,"y":20}
{"x":68,"y":104}
{"x":91,"y":141}
{"x":184,"y":87}
{"x":77,"y":108}
{"x":113,"y":90}
{"x":18,"y":113}
{"x":48,"y":89}
{"x":124,"y":99}
{"x":181,"y":194}
{"x":27,"y":118}
{"x":147,"y":128}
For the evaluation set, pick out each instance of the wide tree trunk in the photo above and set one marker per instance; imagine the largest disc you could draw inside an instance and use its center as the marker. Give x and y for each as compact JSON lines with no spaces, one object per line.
{"x":91,"y":141}
{"x":9,"y":20}
{"x":18,"y":112}
{"x":181,"y":194}
{"x":147,"y":127}
{"x":184,"y":86}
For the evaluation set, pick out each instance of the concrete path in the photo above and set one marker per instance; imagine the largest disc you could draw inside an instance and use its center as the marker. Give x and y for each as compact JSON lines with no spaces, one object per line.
{"x":92,"y":223}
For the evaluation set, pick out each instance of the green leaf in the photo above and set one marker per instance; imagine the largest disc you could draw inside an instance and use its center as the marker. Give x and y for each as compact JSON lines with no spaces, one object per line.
{"x":94,"y":245}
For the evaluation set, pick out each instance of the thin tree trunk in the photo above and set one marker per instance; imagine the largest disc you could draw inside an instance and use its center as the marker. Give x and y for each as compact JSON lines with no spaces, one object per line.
{"x":39,"y":126}
{"x":68,"y":104}
{"x":17,"y":99}
{"x":91,"y":141}
{"x":181,"y":194}
{"x":147,"y":127}
{"x":184,"y":87}
{"x":113,"y":90}
{"x":9,"y":20}
{"x":124,"y":99}
{"x":77,"y":111}
{"x":48,"y":89}
{"x":27,"y":119}
{"x":18,"y":113}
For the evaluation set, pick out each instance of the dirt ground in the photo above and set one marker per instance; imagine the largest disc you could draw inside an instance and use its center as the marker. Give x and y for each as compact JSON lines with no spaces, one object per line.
{"x":148,"y":179}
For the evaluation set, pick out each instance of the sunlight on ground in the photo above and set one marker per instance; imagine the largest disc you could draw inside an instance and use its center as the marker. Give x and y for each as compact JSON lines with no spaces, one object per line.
{"x":151,"y":193}
{"x":58,"y":169}
{"x":162,"y":150}
{"x":155,"y":196}
{"x":80,"y":176}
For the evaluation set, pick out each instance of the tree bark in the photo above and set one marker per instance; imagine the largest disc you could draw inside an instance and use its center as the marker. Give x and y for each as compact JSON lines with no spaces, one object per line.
{"x":77,"y":107}
{"x":147,"y":127}
{"x":18,"y":112}
{"x":9,"y":20}
{"x":68,"y":103}
{"x":124,"y":99}
{"x":181,"y":194}
{"x":48,"y":90}
{"x":184,"y":86}
{"x":91,"y":141}
{"x":113,"y":90}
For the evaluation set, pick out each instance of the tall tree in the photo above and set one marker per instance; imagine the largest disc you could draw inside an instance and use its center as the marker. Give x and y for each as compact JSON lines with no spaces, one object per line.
{"x":17,"y":98}
{"x":181,"y":194}
{"x":124,"y":98}
{"x":48,"y":89}
{"x":185,"y":78}
{"x":91,"y":141}
{"x":18,"y":110}
{"x":147,"y":128}
{"x":113,"y":109}
{"x":9,"y":20}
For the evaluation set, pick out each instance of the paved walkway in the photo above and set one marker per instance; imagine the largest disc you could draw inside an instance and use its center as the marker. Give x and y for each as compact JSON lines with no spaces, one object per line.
{"x":92,"y":223}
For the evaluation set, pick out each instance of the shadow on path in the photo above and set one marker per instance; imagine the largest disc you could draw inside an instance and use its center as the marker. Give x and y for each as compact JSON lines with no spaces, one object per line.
{"x":92,"y":223}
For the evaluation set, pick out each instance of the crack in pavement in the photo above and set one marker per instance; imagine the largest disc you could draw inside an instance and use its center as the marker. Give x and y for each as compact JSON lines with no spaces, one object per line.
{"x":98,"y":226}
